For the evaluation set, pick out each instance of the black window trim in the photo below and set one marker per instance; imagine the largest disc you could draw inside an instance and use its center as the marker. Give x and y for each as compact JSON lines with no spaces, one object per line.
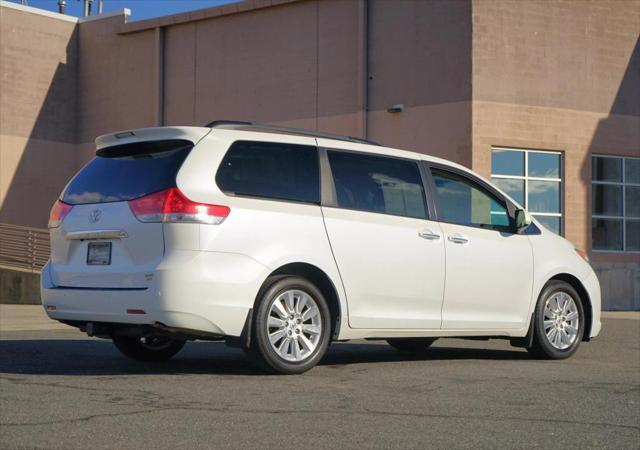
{"x":474,"y":180}
{"x":269,"y":198}
{"x":328,"y":187}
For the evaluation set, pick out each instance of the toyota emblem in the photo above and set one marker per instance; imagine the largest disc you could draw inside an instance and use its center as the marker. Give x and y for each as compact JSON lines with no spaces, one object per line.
{"x":95,"y":215}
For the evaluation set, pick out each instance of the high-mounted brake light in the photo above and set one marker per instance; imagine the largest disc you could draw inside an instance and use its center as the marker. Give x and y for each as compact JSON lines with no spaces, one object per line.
{"x":171,"y":205}
{"x":59,"y":211}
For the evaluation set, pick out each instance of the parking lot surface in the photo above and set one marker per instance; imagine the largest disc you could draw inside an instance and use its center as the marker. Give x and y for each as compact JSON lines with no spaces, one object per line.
{"x":61,"y":389}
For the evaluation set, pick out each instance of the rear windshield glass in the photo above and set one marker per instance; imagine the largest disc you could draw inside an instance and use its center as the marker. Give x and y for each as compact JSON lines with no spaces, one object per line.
{"x":128,"y":171}
{"x":271,"y":170}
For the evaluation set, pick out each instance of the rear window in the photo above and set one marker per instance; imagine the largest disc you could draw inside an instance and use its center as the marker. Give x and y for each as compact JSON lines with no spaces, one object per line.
{"x":125,"y":172}
{"x":271,"y":170}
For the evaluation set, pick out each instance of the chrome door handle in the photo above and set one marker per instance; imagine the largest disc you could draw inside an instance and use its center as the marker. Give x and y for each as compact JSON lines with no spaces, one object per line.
{"x":428,"y":234}
{"x":458,"y":239}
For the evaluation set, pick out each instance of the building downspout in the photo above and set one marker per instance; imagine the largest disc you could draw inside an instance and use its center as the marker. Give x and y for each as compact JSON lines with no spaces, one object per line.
{"x":363,"y":36}
{"x":159,"y":36}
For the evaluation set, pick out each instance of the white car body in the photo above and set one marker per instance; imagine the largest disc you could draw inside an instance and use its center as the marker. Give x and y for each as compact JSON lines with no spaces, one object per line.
{"x":388,"y":280}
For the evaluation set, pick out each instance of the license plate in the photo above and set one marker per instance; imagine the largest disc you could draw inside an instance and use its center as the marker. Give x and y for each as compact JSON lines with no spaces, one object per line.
{"x":99,"y":254}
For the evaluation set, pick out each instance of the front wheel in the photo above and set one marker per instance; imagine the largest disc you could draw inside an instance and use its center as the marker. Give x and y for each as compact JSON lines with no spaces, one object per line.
{"x":292,"y":326}
{"x":558,"y":322}
{"x":149,"y":348}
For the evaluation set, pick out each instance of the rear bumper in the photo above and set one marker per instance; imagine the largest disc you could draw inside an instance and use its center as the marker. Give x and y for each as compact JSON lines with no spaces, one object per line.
{"x":204,"y":291}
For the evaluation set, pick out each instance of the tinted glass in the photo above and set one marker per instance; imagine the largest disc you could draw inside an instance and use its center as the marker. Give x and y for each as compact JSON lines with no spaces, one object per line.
{"x":632,"y":201}
{"x":125,"y":172}
{"x":512,"y":187}
{"x":550,"y":222}
{"x":463,"y":202}
{"x":271,"y":170}
{"x":544,"y":196}
{"x":633,"y":236}
{"x":378,"y":184}
{"x":507,"y":162}
{"x":606,"y":169}
{"x":607,"y":200}
{"x":545,"y":165}
{"x":606,"y":234}
{"x":632,"y":170}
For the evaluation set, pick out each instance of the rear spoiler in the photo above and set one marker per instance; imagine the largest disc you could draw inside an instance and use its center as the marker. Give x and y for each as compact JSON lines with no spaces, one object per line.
{"x":193,"y":134}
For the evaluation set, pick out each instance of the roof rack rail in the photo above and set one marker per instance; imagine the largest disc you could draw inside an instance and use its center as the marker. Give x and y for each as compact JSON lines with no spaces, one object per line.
{"x":239,"y":124}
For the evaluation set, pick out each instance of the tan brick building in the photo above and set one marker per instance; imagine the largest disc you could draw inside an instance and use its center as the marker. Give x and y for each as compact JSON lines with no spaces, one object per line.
{"x":524,"y":91}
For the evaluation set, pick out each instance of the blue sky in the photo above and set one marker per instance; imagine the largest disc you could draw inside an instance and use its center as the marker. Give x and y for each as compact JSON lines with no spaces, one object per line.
{"x":140,"y":9}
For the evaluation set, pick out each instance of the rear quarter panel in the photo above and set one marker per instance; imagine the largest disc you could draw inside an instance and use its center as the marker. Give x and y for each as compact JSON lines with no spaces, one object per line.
{"x":272,"y":233}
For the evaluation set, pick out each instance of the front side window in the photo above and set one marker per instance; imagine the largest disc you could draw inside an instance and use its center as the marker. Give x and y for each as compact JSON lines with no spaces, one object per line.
{"x":464,"y":202}
{"x":532,"y":178}
{"x":615,"y":223}
{"x":378,"y":184}
{"x":271,"y":170}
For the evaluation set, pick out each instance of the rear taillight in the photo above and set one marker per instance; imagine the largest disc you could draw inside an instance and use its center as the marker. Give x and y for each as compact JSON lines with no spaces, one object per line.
{"x":171,"y":205}
{"x":59,"y":211}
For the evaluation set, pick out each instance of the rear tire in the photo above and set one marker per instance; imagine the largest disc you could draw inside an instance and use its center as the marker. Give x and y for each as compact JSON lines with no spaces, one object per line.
{"x":148,"y":349}
{"x":558,"y":322}
{"x":291,"y":326}
{"x":411,"y":344}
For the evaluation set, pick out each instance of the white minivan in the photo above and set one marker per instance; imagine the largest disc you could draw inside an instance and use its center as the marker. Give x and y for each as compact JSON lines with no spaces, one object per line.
{"x":281,"y":240}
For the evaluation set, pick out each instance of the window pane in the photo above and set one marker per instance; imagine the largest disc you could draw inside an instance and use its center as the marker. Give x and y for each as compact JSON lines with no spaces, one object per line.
{"x":550,"y":222}
{"x":513,"y":188}
{"x":545,"y":165}
{"x":606,"y":234}
{"x":632,"y":170}
{"x":280,"y":171}
{"x":507,"y":162}
{"x":544,"y":196}
{"x":464,"y":203}
{"x":606,"y":169}
{"x":125,"y":172}
{"x":632,"y":201}
{"x":607,"y":200}
{"x":378,"y":184}
{"x":633,"y":236}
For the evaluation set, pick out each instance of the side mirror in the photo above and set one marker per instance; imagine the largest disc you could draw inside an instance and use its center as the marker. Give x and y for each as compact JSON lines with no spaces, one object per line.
{"x":523,"y":219}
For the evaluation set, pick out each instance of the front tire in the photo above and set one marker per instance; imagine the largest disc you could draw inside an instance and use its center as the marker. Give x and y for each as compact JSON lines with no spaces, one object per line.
{"x":559,"y":321}
{"x":148,"y":349}
{"x":292,"y":326}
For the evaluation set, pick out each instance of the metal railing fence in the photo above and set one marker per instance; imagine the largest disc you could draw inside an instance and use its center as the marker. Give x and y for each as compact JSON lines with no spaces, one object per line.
{"x":24,"y":248}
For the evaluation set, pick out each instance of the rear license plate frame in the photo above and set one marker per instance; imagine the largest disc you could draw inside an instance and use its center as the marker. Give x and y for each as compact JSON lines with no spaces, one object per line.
{"x":103,"y":258}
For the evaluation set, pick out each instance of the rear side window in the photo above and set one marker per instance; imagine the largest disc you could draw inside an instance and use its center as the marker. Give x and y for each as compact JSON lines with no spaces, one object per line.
{"x":125,"y":172}
{"x":378,"y":184}
{"x":271,"y":170}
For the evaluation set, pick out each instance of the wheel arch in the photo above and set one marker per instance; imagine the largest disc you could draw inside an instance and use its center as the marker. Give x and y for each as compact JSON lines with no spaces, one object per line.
{"x":575,"y":283}
{"x":320,"y":279}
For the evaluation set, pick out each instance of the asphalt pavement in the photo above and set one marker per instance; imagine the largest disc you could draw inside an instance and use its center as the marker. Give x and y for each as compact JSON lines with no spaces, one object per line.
{"x":61,"y":389}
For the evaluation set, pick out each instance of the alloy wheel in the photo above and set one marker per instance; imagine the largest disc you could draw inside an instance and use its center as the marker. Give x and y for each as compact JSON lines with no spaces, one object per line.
{"x":294,"y":325}
{"x":561,"y":320}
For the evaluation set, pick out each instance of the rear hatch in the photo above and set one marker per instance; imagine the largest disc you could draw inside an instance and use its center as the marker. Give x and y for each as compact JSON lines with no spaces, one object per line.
{"x":96,"y":239}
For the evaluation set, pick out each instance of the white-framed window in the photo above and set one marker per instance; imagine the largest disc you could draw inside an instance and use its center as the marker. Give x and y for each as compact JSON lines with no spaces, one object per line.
{"x":615,"y":207}
{"x":533,"y":178}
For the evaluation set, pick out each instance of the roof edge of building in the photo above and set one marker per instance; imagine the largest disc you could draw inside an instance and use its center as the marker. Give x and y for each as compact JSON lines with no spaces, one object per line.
{"x":54,"y":15}
{"x":200,"y":14}
{"x":38,"y":11}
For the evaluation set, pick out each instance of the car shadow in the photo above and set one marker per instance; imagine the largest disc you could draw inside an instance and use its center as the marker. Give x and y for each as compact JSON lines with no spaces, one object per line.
{"x":93,"y":357}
